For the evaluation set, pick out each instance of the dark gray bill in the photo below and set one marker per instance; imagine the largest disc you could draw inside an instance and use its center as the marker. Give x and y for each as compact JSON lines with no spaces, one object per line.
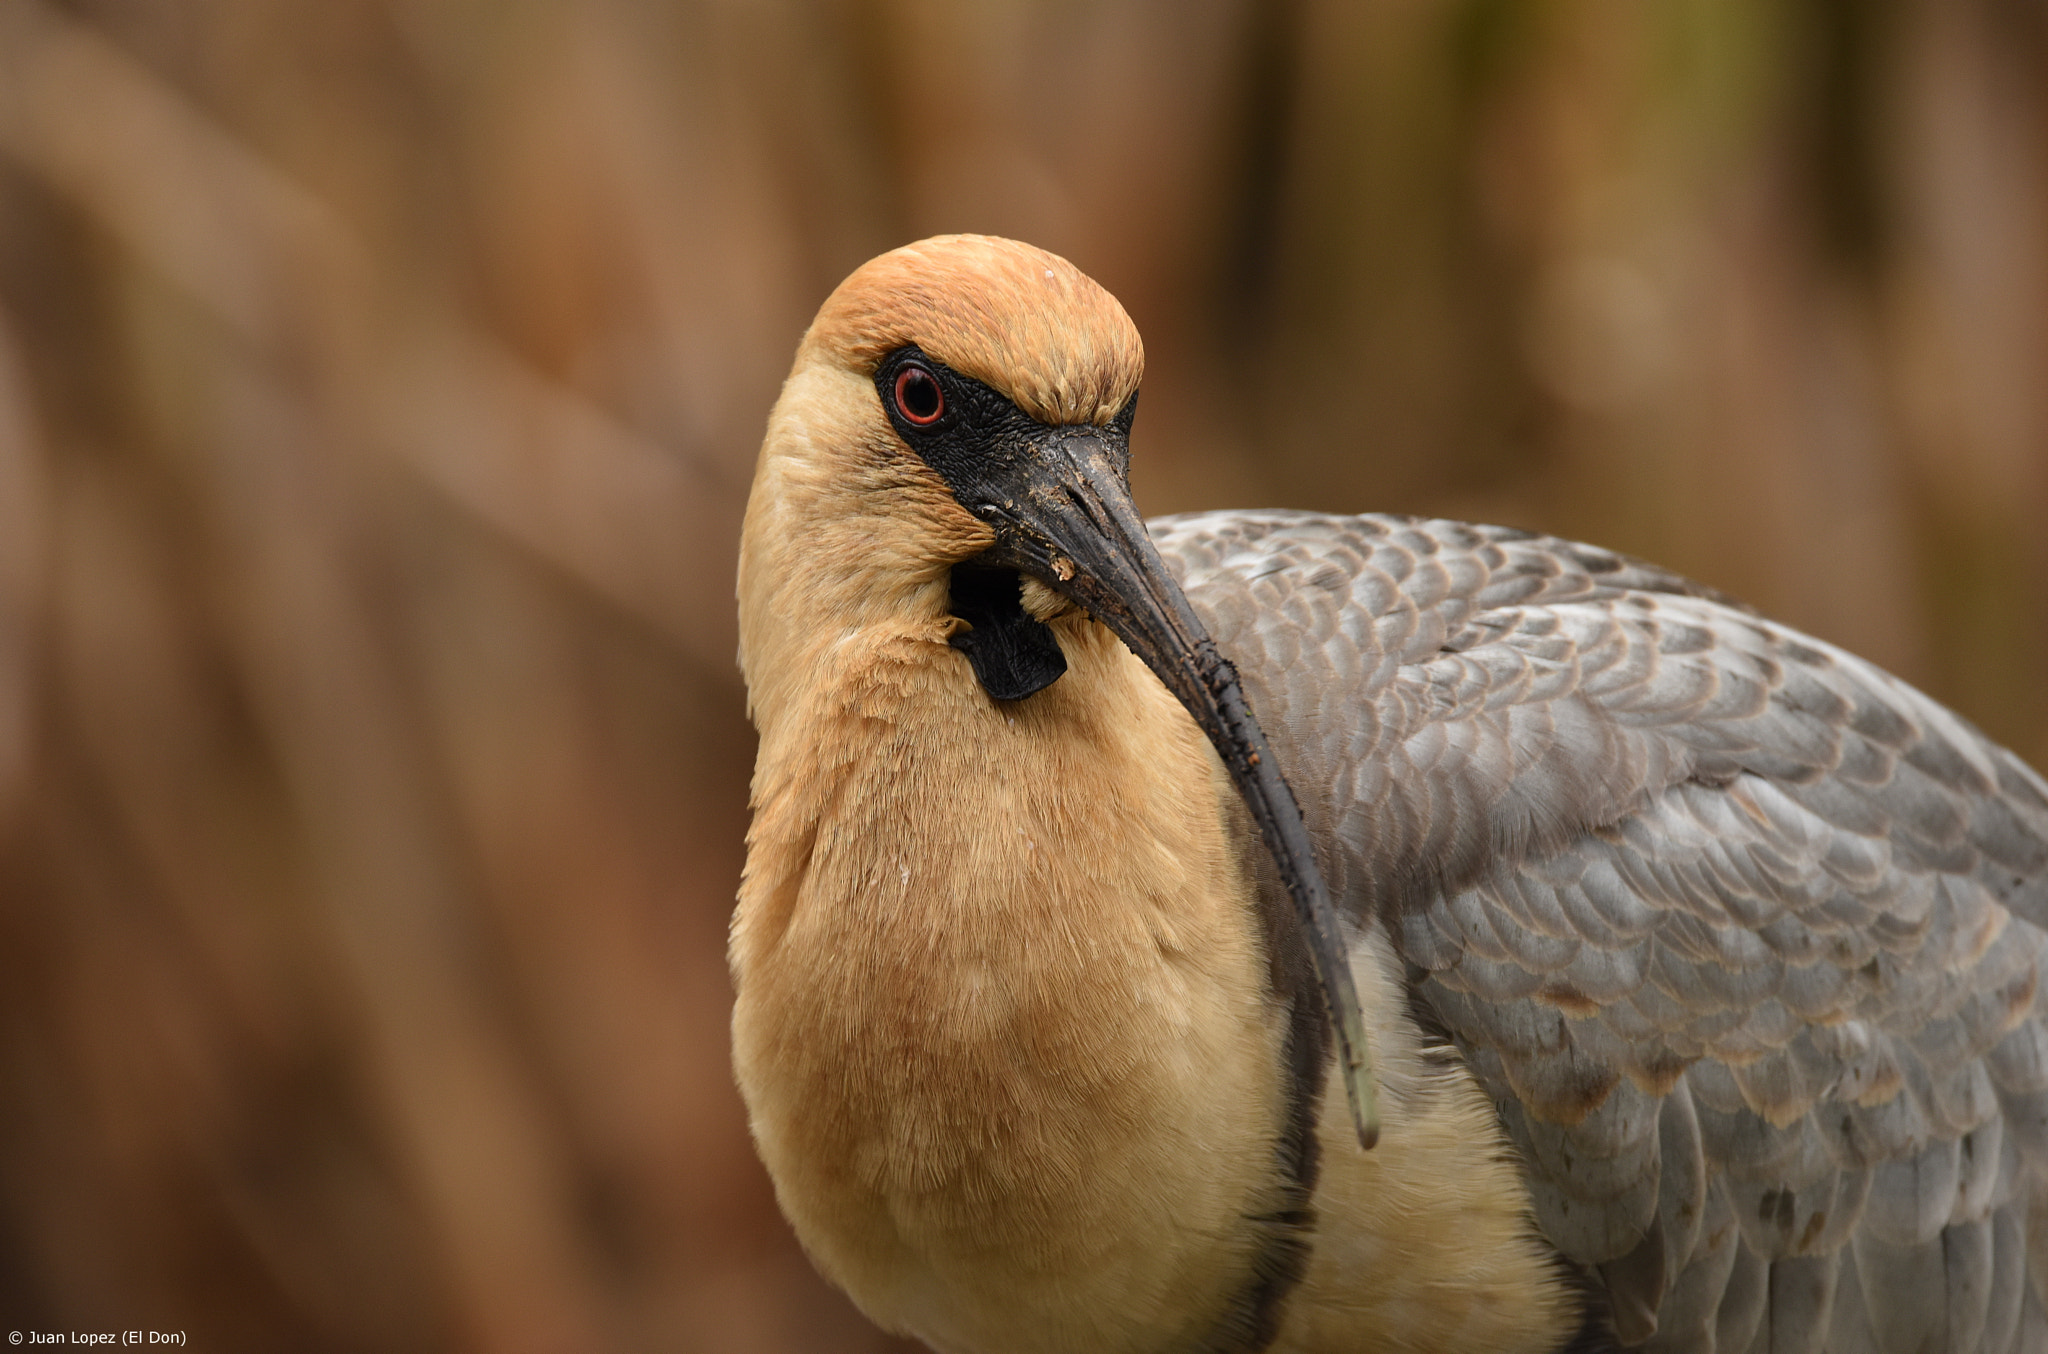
{"x":1068,"y":519}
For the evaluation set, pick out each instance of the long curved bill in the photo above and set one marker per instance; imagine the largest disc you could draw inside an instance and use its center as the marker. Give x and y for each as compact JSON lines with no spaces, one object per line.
{"x":1073,"y":525}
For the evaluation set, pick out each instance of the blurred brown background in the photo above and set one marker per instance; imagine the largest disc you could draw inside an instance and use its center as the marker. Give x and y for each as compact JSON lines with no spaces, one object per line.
{"x":379,"y":386}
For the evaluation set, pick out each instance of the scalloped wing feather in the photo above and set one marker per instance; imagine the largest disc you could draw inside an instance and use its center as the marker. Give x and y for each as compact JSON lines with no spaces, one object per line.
{"x":1742,"y":934}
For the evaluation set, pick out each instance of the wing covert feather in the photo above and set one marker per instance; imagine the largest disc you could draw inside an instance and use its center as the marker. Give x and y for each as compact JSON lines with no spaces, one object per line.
{"x":1743,"y":935}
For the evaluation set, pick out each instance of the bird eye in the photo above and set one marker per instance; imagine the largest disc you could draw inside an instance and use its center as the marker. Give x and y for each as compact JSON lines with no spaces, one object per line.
{"x":918,"y":397}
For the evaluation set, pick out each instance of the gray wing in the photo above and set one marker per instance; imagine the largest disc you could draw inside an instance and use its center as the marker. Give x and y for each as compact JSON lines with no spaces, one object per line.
{"x":1743,"y":935}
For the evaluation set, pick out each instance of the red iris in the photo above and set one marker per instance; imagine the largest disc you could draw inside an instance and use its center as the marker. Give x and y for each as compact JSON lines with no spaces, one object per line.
{"x":918,"y":397}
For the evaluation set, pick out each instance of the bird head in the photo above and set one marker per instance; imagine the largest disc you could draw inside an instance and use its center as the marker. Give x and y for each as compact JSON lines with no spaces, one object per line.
{"x":954,"y":441}
{"x":944,"y":390}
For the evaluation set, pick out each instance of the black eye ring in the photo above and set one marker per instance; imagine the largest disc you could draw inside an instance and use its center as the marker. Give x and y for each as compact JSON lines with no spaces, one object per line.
{"x":918,"y":395}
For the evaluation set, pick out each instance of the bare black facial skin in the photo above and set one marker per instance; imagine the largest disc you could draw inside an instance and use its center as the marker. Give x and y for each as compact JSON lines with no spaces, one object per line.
{"x":981,"y":443}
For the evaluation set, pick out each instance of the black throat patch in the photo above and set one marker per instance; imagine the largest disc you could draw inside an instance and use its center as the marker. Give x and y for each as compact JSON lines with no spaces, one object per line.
{"x":1013,"y":656}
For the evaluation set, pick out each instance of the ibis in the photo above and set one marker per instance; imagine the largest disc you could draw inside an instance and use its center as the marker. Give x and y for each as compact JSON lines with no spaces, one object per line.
{"x":1254,"y":931}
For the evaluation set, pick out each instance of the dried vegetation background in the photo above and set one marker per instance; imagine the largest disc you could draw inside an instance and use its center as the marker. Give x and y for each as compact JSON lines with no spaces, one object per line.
{"x":379,"y":386}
